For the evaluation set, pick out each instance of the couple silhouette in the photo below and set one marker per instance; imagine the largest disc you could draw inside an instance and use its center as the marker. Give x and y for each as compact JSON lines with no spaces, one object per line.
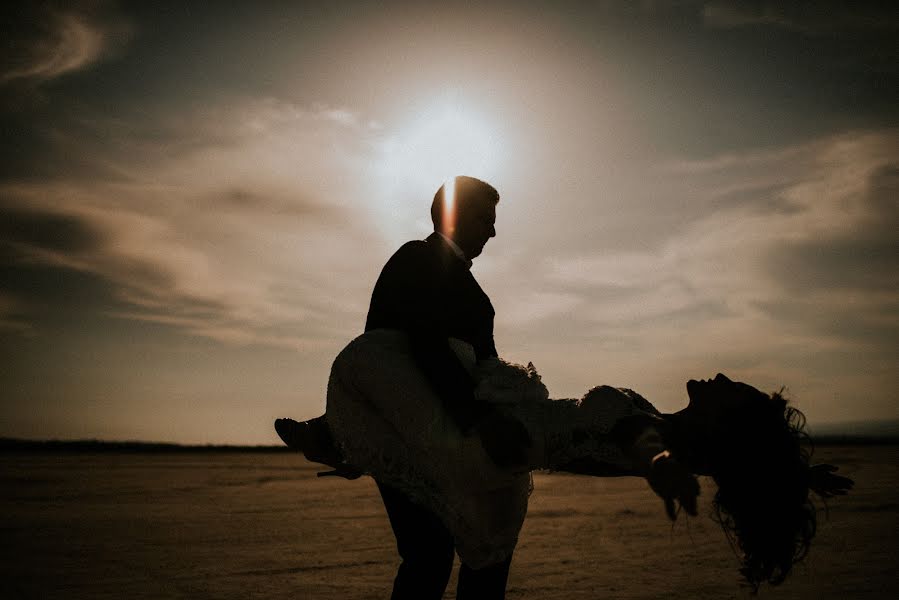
{"x":450,"y":432}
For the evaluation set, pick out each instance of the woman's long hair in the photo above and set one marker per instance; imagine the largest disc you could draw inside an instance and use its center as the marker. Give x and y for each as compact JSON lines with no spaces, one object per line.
{"x":761,"y":467}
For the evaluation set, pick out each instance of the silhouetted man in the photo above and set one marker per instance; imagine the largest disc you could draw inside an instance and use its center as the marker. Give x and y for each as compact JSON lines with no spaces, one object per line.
{"x":427,"y":291}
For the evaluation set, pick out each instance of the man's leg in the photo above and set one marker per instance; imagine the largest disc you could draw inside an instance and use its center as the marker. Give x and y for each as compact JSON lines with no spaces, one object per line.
{"x":488,"y":583}
{"x":424,"y":544}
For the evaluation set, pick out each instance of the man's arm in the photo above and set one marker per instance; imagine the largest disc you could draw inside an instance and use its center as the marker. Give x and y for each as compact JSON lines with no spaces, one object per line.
{"x":411,"y":295}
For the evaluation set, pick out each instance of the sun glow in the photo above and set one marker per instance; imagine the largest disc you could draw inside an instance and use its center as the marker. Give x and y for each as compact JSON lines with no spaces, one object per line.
{"x":446,"y":140}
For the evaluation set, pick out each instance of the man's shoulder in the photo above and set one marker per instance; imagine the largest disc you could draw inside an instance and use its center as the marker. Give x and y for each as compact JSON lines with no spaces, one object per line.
{"x":414,"y":246}
{"x":415,"y":250}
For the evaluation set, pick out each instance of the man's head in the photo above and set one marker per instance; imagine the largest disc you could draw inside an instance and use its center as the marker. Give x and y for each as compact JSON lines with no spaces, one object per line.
{"x":466,"y":213}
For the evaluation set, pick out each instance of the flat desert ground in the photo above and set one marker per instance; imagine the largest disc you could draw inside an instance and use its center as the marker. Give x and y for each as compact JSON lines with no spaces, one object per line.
{"x":261,"y":525}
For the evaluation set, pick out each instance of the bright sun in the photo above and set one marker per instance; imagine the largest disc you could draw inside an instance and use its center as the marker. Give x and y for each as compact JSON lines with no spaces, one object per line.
{"x":445,"y":140}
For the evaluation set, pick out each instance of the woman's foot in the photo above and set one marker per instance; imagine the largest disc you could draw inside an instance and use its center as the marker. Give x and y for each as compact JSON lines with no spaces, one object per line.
{"x":312,"y":438}
{"x":291,"y":432}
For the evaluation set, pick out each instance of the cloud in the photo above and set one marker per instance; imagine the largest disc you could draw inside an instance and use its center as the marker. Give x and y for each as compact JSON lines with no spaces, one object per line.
{"x":59,"y":259}
{"x":828,"y":225}
{"x":12,"y":315}
{"x":863,"y":263}
{"x":784,"y":268}
{"x":47,"y":39}
{"x":819,"y":18}
{"x":240,"y":236}
{"x":37,"y":230}
{"x":847,"y":284}
{"x":535,"y":306}
{"x":342,"y":116}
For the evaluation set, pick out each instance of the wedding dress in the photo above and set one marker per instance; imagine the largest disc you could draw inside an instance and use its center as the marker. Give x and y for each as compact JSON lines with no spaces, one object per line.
{"x":388,"y":423}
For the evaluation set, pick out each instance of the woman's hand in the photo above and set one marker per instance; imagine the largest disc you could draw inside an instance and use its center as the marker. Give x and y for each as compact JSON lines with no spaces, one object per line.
{"x":824,"y":481}
{"x":672,"y":481}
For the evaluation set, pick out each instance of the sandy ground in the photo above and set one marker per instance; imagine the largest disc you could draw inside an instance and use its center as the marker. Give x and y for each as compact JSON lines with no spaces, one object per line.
{"x":263,"y":526}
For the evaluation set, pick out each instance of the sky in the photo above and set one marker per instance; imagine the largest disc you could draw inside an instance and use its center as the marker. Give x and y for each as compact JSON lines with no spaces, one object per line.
{"x":196,"y":199}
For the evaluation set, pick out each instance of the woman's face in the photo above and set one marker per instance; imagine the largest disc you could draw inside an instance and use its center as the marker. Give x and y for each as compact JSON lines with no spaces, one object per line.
{"x":714,"y":402}
{"x":717,"y":409}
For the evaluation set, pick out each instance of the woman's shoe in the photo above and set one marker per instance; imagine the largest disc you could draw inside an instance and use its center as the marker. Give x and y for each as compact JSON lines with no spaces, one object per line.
{"x":291,"y":433}
{"x":312,"y":438}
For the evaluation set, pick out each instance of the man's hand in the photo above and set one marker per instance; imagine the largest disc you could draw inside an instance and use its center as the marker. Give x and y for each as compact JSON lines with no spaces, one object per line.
{"x":673,"y":482}
{"x":505,"y":440}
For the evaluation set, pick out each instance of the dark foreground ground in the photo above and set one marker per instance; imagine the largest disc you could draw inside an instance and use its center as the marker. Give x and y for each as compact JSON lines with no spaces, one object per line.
{"x":261,"y":525}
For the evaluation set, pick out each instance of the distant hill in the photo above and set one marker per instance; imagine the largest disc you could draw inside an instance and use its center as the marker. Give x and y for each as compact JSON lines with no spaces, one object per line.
{"x":855,"y":432}
{"x":883,"y":431}
{"x":19,"y":445}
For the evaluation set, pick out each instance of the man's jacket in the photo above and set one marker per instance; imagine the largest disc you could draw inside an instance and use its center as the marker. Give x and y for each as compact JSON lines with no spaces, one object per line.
{"x":427,"y":291}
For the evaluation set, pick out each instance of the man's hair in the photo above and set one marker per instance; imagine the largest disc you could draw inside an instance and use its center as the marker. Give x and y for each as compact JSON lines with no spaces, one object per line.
{"x":468,"y":191}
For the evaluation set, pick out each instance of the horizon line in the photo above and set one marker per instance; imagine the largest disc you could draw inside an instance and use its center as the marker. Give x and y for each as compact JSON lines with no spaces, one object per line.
{"x":93,"y":444}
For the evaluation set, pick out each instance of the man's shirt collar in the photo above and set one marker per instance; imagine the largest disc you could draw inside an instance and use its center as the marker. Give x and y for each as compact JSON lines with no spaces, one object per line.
{"x":455,"y":248}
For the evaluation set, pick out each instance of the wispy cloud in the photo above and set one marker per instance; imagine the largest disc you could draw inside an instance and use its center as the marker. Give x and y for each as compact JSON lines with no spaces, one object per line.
{"x":240,"y":239}
{"x":818,"y":18}
{"x":13,"y":315}
{"x":772,"y":285}
{"x":830,"y":199}
{"x":46,"y":39}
